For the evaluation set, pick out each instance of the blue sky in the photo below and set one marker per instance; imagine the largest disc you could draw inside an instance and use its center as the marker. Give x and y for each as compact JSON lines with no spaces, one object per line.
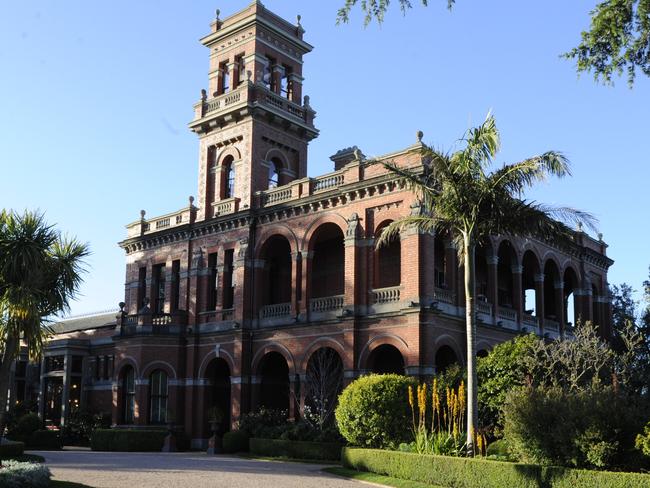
{"x":95,"y":98}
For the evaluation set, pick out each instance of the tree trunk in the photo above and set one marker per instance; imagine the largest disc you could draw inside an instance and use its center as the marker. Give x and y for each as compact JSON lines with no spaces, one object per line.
{"x":10,"y":349}
{"x":470,"y":323}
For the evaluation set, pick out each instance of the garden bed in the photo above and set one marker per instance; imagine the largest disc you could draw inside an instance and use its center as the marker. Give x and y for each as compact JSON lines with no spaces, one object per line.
{"x":481,"y":473}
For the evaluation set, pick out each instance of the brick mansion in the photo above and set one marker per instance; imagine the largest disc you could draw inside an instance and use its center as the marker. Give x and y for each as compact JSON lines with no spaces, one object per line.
{"x":228,"y":299}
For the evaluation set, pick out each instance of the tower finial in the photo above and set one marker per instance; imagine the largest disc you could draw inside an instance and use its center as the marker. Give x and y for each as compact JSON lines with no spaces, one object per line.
{"x":419,"y":135}
{"x":218,"y":12}
{"x":298,"y":19}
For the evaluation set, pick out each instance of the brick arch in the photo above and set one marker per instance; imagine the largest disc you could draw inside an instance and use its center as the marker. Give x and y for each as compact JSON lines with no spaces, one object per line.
{"x":277,"y":229}
{"x":529,"y":246}
{"x":127,"y":361}
{"x":514,"y":246}
{"x":568,"y":265}
{"x":276,"y":153}
{"x":381,"y":340}
{"x":329,"y":218}
{"x":158,"y":364}
{"x":273,"y":347}
{"x":207,"y":359}
{"x":318,"y":344}
{"x":447,"y":340}
{"x":550,"y":256}
{"x":229,"y":151}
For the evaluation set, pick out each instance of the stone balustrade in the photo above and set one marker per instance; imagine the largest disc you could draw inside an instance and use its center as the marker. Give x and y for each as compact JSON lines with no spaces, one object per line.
{"x":385,"y":295}
{"x":505,"y":313}
{"x":326,"y":304}
{"x":328,"y":181}
{"x":551,"y":324}
{"x":275,"y":310}
{"x":444,"y":296}
{"x":484,"y":307}
{"x":157,"y":224}
{"x":226,"y":207}
{"x":530,"y":320}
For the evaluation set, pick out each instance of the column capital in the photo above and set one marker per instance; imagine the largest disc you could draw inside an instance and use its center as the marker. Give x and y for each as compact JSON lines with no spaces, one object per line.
{"x":517,"y":269}
{"x":558,"y":284}
{"x":492,"y":260}
{"x":539,"y":277}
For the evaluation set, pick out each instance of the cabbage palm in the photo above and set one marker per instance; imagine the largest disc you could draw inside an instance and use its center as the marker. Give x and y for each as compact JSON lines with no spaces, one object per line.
{"x":40,"y":272}
{"x":459,"y":195}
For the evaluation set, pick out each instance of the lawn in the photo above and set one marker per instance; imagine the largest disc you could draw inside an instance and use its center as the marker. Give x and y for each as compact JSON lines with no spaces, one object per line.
{"x":377,"y":478}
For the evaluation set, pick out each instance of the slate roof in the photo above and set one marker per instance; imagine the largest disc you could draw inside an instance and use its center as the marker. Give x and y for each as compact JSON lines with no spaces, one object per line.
{"x":85,"y":322}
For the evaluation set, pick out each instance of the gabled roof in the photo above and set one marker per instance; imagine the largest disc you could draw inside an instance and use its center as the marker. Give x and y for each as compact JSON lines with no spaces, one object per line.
{"x":85,"y":322}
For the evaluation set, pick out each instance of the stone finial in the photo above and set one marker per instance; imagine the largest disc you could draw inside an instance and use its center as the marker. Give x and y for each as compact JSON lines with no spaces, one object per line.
{"x":357,"y":154}
{"x":142,"y":214}
{"x":579,"y":227}
{"x":121,"y":305}
{"x":298,"y":19}
{"x":204,"y":95}
{"x":306,"y":101}
{"x":249,"y":75}
{"x":218,"y":12}
{"x":191,"y":200}
{"x":419,"y":134}
{"x":600,"y":236}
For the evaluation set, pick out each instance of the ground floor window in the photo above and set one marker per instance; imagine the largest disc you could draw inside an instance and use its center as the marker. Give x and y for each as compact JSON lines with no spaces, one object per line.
{"x":158,"y":395}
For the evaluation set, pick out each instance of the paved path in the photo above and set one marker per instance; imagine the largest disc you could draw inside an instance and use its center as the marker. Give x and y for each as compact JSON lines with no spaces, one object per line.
{"x":179,"y":470}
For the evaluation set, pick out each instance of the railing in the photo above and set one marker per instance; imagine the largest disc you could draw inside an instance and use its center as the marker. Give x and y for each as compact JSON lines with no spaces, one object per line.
{"x":530,"y":320}
{"x":551,"y":324}
{"x":222,"y":101}
{"x":183,"y":216}
{"x":328,"y":181}
{"x":162,"y":223}
{"x":385,"y":295}
{"x":225,"y":207}
{"x":326,"y":304}
{"x":276,"y":195}
{"x":507,"y":314}
{"x":275,"y":310}
{"x":154,"y":320}
{"x":444,"y":296}
{"x":484,"y":307}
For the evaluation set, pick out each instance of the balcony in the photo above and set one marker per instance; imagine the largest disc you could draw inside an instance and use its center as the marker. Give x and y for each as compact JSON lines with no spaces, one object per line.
{"x":507,"y":317}
{"x":226,"y":207}
{"x":275,"y":314}
{"x":444,"y":300}
{"x":157,"y":224}
{"x":153,"y":324}
{"x":384,"y":300}
{"x":325,"y":308}
{"x":216,"y":320}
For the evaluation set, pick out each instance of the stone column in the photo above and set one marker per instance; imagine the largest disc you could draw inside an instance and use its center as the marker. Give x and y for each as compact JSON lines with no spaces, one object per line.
{"x":193,"y":287}
{"x":65,"y":394}
{"x":559,"y":304}
{"x":518,"y":292}
{"x":256,"y":386}
{"x":276,"y":72}
{"x":167,"y":306}
{"x":351,"y":288}
{"x":305,"y":279}
{"x":451,"y":272}
{"x":296,"y":285}
{"x":493,"y":282}
{"x":539,"y":299}
{"x":233,"y":69}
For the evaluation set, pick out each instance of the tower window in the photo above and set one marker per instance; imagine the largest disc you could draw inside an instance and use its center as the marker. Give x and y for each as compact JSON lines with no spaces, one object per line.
{"x":286,"y":88}
{"x":159,"y":288}
{"x":241,"y":68}
{"x":267,"y":77}
{"x":229,"y":177}
{"x":225,"y":77}
{"x":274,"y":174}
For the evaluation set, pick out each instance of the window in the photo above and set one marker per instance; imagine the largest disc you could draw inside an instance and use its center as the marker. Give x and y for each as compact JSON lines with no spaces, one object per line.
{"x":267,"y":77}
{"x":159,"y":288}
{"x":142,"y":286}
{"x":229,"y":287}
{"x":274,"y":175}
{"x":285,"y":87}
{"x":128,"y":395}
{"x":158,"y":396}
{"x":225,"y":78}
{"x":212,"y":283}
{"x":176,"y":285}
{"x":229,"y":177}
{"x":241,"y":68}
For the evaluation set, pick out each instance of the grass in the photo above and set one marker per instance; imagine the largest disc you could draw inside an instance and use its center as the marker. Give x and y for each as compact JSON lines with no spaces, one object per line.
{"x":67,"y":484}
{"x":377,"y":478}
{"x":283,"y":459}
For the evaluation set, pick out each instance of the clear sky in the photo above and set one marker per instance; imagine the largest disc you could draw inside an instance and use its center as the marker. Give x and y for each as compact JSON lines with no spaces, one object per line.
{"x":95,"y":98}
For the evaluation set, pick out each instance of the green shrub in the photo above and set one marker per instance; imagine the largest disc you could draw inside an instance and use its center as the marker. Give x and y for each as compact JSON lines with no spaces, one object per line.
{"x":590,"y":428}
{"x":322,"y":451}
{"x":81,"y":424}
{"x":11,"y":449}
{"x":45,"y":439}
{"x":235,"y":441}
{"x":15,"y":474}
{"x":373,"y":411}
{"x":266,"y":423}
{"x":24,"y":427}
{"x":499,"y":449}
{"x":482,"y":473}
{"x":643,"y":440}
{"x":125,"y":440}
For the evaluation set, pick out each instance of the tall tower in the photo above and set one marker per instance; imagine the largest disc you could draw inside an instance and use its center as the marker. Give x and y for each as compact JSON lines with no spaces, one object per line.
{"x":253,"y":123}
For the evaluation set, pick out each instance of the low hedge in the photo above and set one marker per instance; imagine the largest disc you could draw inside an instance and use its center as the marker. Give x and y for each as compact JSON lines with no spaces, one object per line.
{"x":45,"y":439}
{"x":11,"y":449}
{"x":127,"y":440}
{"x":322,"y":451}
{"x":235,"y":441}
{"x":456,"y":472}
{"x":15,"y":474}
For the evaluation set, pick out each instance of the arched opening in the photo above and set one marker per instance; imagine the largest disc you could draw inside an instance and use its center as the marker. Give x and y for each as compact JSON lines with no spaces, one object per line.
{"x":273,"y":179}
{"x":529,"y":272}
{"x":386,"y":359}
{"x":505,"y":286}
{"x":218,"y":376}
{"x":323,"y":383}
{"x":551,"y":307}
{"x":158,"y":394}
{"x":228,"y":185}
{"x":445,"y":357}
{"x":274,"y":382}
{"x":570,"y":308}
{"x":387,"y":261}
{"x":276,"y":276}
{"x":328,"y":263}
{"x":127,"y":384}
{"x":439,"y":263}
{"x":211,"y":187}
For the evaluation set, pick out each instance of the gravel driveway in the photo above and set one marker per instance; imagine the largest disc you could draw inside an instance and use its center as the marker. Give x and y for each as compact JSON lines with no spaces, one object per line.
{"x":179,"y":470}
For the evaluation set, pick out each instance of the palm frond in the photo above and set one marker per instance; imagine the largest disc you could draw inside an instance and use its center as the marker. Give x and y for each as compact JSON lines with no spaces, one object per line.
{"x":482,"y":143}
{"x":394,"y":229}
{"x":515,"y":178}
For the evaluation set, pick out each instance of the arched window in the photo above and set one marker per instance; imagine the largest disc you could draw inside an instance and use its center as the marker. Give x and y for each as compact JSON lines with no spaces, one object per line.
{"x":388,"y":261}
{"x":274,"y":173}
{"x":158,"y":397}
{"x":229,"y":177}
{"x":128,"y":395}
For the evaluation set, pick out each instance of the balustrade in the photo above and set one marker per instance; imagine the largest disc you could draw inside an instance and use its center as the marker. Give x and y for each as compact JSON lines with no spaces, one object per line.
{"x":444,"y":296}
{"x":386,"y":295}
{"x":328,"y":181}
{"x":326,"y":304}
{"x":275,"y":310}
{"x":484,"y":307}
{"x":505,"y":313}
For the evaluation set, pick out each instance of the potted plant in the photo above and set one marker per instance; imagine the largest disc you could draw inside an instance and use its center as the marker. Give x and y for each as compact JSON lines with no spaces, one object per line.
{"x":216,"y":416}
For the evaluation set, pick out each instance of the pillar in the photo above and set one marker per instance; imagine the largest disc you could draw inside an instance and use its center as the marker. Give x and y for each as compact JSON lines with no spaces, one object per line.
{"x":351,"y":288}
{"x":559,"y":304}
{"x":141,"y":414}
{"x":539,"y":298}
{"x":518,"y":292}
{"x":493,"y":285}
{"x":451,"y":271}
{"x":276,"y":73}
{"x":305,"y":283}
{"x":296,"y":285}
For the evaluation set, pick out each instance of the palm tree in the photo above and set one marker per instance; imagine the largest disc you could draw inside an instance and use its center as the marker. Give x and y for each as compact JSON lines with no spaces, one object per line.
{"x":459,"y":196}
{"x":40,"y":272}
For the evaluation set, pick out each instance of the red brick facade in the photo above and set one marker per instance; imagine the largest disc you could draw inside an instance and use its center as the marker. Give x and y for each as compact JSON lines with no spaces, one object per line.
{"x":231,"y":297}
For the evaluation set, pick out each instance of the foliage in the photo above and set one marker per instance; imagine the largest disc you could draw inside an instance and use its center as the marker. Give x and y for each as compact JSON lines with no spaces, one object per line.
{"x":11,"y":449}
{"x":81,"y":424}
{"x":642,"y":441}
{"x":373,"y":411}
{"x":24,"y":427}
{"x":264,"y":422}
{"x":322,"y":451}
{"x":40,"y":272}
{"x":593,"y":427}
{"x":14,"y":474}
{"x":235,"y":441}
{"x":482,"y":473}
{"x":45,"y":439}
{"x":324,"y":382}
{"x":459,"y":196}
{"x":500,"y":450}
{"x":618,"y":40}
{"x":126,"y":440}
{"x":499,"y":372}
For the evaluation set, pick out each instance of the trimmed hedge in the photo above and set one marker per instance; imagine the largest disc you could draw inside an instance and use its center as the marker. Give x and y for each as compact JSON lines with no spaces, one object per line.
{"x":127,"y":440}
{"x":45,"y":439}
{"x":11,"y":449}
{"x":15,"y":474}
{"x":235,"y":441}
{"x":322,"y":451}
{"x":481,"y":473}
